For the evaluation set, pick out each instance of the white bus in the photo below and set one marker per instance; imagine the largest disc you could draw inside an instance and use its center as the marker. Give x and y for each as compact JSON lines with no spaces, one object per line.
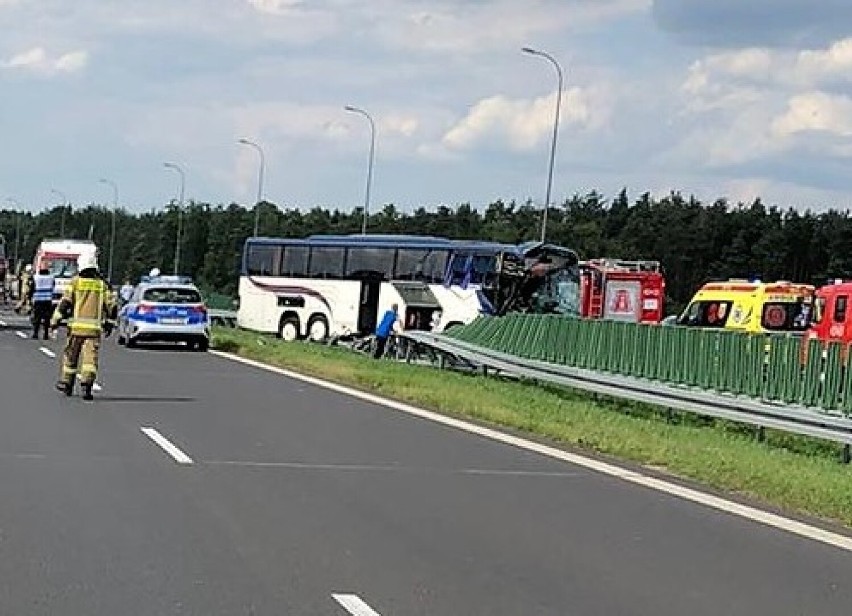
{"x":340,"y":286}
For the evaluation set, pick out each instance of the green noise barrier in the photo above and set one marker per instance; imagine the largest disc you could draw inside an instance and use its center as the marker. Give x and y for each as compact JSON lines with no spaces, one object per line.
{"x":785,"y":368}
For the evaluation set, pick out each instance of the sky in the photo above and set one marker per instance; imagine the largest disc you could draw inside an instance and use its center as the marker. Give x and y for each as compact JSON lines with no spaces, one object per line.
{"x":716,"y":98}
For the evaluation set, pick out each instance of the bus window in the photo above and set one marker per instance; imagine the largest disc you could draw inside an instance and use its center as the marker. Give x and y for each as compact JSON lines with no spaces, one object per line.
{"x":294,"y":261}
{"x":262,"y":260}
{"x":459,"y":266}
{"x":364,"y":260}
{"x":484,"y":266}
{"x":326,"y":262}
{"x":435,"y":266}
{"x":411,"y":265}
{"x":840,"y":304}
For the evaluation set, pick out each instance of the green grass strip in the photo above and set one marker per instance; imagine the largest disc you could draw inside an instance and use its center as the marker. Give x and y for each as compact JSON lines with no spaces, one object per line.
{"x":795,"y":474}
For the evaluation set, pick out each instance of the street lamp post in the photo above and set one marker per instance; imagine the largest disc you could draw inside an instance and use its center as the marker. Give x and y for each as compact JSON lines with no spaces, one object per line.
{"x":553,"y":61}
{"x":180,"y":212}
{"x":259,"y":181}
{"x":112,"y":233}
{"x":62,"y":196}
{"x":352,"y":109}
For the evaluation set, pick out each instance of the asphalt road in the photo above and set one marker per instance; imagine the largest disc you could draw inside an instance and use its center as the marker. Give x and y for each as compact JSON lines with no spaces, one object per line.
{"x":290,"y":494}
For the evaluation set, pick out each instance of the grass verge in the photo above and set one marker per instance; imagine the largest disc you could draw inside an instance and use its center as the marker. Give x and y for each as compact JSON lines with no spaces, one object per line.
{"x":795,"y":474}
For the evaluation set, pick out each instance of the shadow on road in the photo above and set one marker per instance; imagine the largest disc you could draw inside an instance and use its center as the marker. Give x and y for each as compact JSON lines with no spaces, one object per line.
{"x":151,"y":399}
{"x":161,"y":348}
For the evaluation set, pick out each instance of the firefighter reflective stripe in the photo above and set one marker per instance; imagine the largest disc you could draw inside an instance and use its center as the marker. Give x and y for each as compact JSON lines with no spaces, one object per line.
{"x":43,"y":288}
{"x":84,"y":323}
{"x":90,"y":284}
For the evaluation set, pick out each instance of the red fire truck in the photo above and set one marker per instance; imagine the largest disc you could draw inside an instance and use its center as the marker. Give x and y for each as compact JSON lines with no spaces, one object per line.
{"x":832,"y":319}
{"x":614,"y":289}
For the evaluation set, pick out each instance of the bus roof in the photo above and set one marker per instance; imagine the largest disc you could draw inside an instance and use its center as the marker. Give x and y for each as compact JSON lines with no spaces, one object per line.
{"x":422,"y":242}
{"x":416,"y":242}
{"x":57,"y":240}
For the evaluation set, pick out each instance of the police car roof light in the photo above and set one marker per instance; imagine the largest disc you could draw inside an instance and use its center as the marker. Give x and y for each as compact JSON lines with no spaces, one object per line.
{"x":167,"y":279}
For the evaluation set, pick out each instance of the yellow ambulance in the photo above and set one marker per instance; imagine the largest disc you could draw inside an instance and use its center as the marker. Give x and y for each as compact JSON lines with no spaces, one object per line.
{"x":751,"y":306}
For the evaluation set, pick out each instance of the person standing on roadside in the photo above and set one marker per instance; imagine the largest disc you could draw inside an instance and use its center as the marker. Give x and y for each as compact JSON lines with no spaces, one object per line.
{"x":126,"y":292}
{"x":41,"y":295}
{"x":385,"y":329}
{"x":25,"y":282}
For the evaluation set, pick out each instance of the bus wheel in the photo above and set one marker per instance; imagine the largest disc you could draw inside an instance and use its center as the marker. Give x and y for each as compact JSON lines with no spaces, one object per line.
{"x":318,"y":328}
{"x":289,"y":329}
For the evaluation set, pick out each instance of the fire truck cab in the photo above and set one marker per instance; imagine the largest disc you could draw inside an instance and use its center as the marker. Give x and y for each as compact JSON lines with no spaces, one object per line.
{"x":832,"y":319}
{"x":632,"y":291}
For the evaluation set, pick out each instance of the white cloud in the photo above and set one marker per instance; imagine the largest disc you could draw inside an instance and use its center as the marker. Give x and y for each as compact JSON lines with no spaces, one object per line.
{"x":522,"y":123}
{"x":73,"y":61}
{"x":813,"y":65}
{"x":717,"y":75}
{"x":815,"y":111}
{"x":752,"y":63}
{"x":37,"y":60}
{"x":275,"y":7}
{"x":34,"y":57}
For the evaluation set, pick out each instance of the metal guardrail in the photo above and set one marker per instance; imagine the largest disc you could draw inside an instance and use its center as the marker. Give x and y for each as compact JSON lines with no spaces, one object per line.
{"x":788,"y":418}
{"x":782,"y":367}
{"x":227,"y":318}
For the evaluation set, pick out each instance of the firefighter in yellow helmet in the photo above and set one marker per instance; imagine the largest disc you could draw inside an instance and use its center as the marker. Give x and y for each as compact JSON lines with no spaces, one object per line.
{"x":90,"y":310}
{"x":25,"y":283}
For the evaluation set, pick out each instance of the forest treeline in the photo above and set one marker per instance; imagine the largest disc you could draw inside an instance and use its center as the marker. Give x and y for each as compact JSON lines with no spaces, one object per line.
{"x":694,"y":241}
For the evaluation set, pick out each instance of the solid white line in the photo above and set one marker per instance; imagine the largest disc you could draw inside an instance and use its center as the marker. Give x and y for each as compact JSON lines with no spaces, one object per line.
{"x":484,"y":472}
{"x":179,"y":456}
{"x":814,"y":533}
{"x":47,"y":352}
{"x":355,"y":605}
{"x":20,"y":334}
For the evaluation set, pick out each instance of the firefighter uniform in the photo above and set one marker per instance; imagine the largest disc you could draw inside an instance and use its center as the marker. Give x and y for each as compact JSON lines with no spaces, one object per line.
{"x":25,"y":283}
{"x":90,"y":310}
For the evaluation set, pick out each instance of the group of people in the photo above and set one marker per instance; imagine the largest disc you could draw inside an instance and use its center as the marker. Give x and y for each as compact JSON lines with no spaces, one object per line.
{"x":87,"y":307}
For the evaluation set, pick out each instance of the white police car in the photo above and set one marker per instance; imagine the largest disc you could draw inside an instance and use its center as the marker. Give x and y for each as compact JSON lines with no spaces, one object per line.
{"x":165,"y":309}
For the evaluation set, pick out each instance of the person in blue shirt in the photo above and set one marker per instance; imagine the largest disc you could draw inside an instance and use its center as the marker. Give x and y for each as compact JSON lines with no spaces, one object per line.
{"x":384,"y":330}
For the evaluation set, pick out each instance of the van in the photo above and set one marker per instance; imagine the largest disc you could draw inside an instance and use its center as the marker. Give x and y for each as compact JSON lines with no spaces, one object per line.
{"x":751,"y":306}
{"x":59,"y":257}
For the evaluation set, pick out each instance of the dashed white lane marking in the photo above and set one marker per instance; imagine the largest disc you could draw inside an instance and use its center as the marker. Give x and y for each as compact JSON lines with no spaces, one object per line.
{"x":97,"y":387}
{"x":20,"y":334}
{"x":164,"y":443}
{"x":354,"y":605}
{"x":795,"y":527}
{"x":47,"y":352}
{"x":3,"y":323}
